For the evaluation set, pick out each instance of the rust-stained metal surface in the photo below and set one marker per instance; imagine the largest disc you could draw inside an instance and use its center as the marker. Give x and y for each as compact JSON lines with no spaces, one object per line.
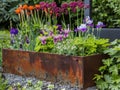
{"x":78,"y":71}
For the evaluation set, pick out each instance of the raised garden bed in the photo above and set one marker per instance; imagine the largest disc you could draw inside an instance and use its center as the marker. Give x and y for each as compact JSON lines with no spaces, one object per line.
{"x":76,"y":70}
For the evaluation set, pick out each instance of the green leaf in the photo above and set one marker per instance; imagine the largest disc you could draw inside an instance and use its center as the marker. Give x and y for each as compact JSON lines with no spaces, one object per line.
{"x":102,"y":69}
{"x":114,"y":70}
{"x":97,"y":77}
{"x":108,"y":62}
{"x":108,"y":78}
{"x":102,"y":85}
{"x":115,"y":79}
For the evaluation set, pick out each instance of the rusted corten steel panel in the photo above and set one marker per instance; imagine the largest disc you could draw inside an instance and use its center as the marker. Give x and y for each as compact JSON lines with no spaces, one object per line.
{"x":78,"y":71}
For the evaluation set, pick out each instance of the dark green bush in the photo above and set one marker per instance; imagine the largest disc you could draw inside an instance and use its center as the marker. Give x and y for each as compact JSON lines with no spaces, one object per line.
{"x":107,"y":11}
{"x":7,"y":14}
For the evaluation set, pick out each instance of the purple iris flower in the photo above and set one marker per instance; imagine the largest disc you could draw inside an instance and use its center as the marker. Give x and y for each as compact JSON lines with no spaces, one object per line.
{"x":56,"y":39}
{"x":60,"y":37}
{"x":59,"y":27}
{"x":82,"y":28}
{"x":13,"y":31}
{"x":87,"y":18}
{"x":51,"y":33}
{"x":76,"y":30}
{"x":100,"y":25}
{"x":41,"y":32}
{"x":66,"y":32}
{"x":88,"y":21}
{"x":27,"y":40}
{"x":43,"y":40}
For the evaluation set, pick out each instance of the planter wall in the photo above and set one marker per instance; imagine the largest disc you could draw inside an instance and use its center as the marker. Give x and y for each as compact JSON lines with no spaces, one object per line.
{"x":78,"y":71}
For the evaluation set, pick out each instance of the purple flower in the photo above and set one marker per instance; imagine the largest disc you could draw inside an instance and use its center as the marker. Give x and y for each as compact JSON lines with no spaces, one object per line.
{"x":64,"y":8}
{"x":13,"y":31}
{"x":41,"y":32}
{"x":80,"y":4}
{"x":43,"y":40}
{"x":52,"y":5}
{"x":88,"y":21}
{"x":60,"y":37}
{"x":87,"y":18}
{"x":56,"y":39}
{"x":73,"y":6}
{"x":66,"y":32}
{"x":100,"y":25}
{"x":27,"y":40}
{"x":82,"y":28}
{"x":51,"y":33}
{"x":76,"y":30}
{"x":57,"y":11}
{"x":43,"y":5}
{"x":59,"y":27}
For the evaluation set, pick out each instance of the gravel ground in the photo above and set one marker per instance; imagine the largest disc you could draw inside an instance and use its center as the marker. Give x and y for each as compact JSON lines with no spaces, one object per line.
{"x":15,"y":79}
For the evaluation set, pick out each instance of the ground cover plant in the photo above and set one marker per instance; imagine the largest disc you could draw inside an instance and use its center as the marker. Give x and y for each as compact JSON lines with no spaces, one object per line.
{"x":40,"y":29}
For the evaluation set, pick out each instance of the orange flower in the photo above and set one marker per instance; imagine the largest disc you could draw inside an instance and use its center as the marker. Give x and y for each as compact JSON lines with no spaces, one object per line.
{"x":25,"y":6}
{"x":37,"y":6}
{"x":31,"y":8}
{"x":18,"y":11}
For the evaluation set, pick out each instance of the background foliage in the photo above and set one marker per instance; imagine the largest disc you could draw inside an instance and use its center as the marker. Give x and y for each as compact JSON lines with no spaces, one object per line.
{"x":107,"y":11}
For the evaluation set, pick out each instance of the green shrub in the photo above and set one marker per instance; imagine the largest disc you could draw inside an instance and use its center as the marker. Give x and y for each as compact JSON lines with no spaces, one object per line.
{"x":4,"y":42}
{"x":109,"y":79}
{"x":107,"y":11}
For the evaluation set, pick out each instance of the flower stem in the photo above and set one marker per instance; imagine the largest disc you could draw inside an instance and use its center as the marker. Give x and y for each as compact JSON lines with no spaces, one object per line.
{"x":69,"y":18}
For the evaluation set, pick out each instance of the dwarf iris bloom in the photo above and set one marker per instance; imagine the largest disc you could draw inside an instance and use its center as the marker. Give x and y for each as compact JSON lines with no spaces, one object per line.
{"x":82,"y":28}
{"x":13,"y":31}
{"x":100,"y":25}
